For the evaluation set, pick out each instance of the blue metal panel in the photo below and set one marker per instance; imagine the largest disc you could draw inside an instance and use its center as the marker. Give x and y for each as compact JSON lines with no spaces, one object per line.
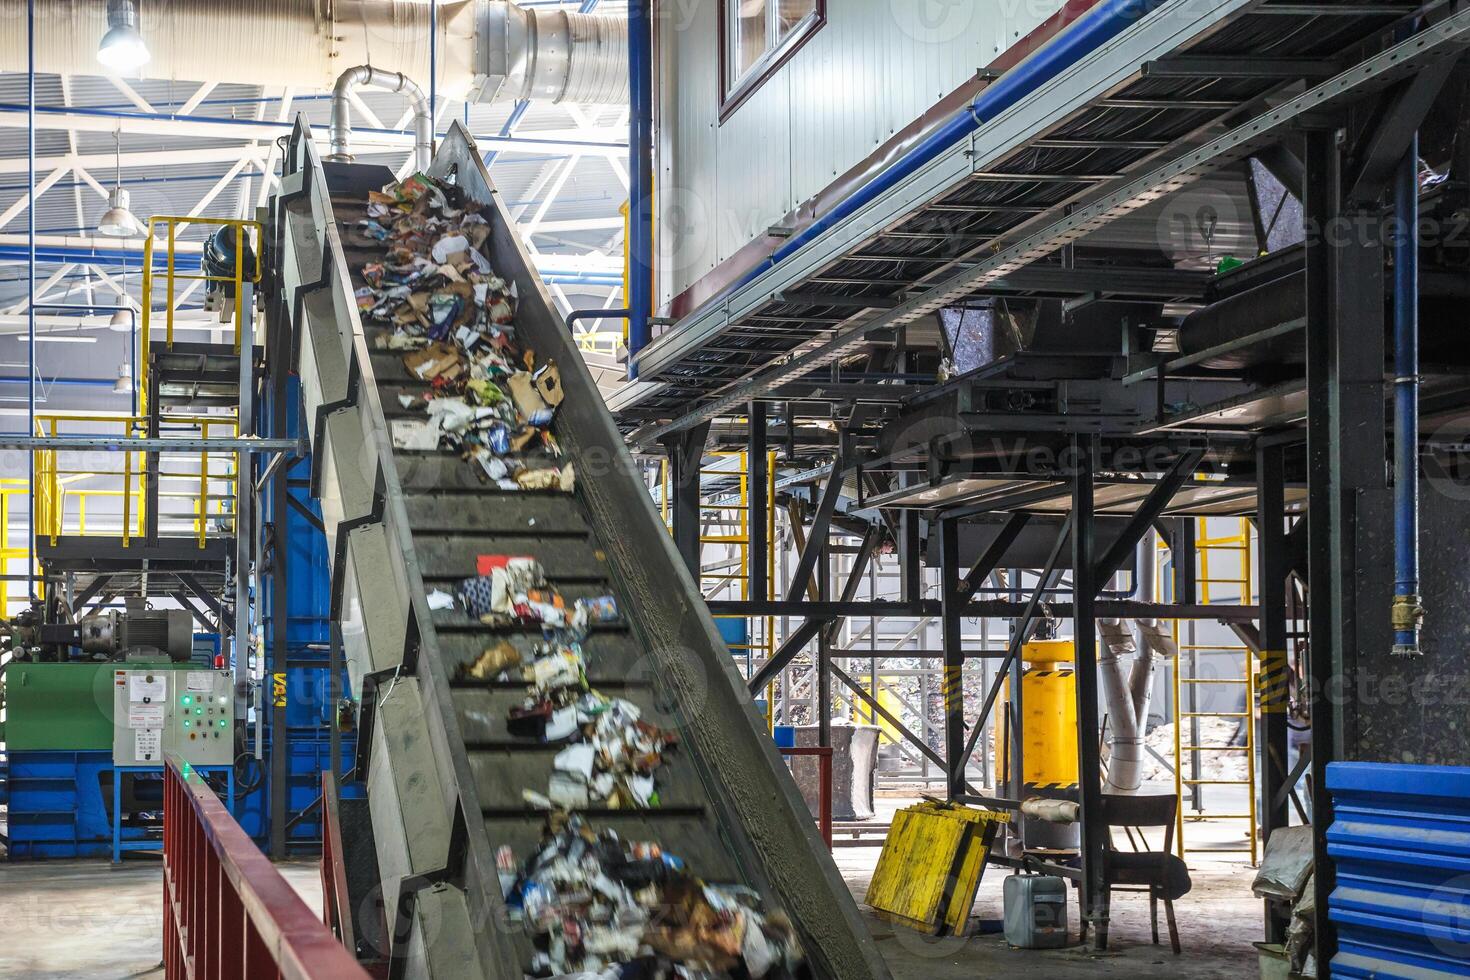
{"x":58,"y":807}
{"x":308,"y":708}
{"x":1401,"y":844}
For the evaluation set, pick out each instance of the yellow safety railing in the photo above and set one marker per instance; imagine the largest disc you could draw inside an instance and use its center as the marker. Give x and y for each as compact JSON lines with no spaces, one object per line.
{"x":13,"y":557}
{"x":207,"y":501}
{"x":171,"y":224}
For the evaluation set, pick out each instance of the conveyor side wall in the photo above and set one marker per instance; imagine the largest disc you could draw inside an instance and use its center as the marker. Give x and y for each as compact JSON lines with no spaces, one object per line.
{"x":426,"y":815}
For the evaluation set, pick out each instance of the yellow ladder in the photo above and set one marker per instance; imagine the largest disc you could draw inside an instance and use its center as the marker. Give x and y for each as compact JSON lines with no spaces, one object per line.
{"x":1197,"y":748}
{"x":731,"y":517}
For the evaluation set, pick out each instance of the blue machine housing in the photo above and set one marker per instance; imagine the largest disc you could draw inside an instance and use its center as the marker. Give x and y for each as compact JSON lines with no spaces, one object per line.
{"x":1400,"y":840}
{"x":299,"y":672}
{"x":61,"y":803}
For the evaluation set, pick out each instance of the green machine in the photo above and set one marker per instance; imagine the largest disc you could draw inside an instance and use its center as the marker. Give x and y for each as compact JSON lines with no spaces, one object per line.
{"x":62,"y":706}
{"x":58,"y":728}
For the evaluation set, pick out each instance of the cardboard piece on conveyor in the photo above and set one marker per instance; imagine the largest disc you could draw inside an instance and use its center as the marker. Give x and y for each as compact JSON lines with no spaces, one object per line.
{"x":535,"y":393}
{"x":438,"y":360}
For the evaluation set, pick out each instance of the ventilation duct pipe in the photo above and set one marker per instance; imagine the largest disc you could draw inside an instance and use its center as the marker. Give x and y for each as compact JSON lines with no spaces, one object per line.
{"x":393,"y":81}
{"x":1130,"y":698}
{"x":485,"y":49}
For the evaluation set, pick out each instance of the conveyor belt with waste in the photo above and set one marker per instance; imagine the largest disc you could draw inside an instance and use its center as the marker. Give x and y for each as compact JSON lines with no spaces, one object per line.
{"x":445,"y":777}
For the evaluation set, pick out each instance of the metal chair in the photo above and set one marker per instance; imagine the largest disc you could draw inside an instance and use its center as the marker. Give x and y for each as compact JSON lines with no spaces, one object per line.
{"x":1161,"y":874}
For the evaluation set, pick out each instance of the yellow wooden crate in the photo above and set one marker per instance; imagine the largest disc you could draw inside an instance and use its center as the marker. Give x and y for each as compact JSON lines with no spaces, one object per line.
{"x":931,"y":865}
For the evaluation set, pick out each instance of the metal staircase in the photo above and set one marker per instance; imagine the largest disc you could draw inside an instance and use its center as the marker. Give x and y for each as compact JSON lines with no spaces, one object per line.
{"x":444,"y":775}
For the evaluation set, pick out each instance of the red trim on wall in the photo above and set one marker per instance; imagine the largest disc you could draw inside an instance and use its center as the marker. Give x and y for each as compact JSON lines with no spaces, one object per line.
{"x":722,"y":276}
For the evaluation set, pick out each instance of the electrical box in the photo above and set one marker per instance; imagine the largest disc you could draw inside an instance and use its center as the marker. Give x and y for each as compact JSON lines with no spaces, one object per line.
{"x":189,"y":713}
{"x":1035,"y":911}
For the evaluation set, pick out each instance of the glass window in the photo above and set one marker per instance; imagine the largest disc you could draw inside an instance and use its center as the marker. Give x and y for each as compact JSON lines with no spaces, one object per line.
{"x":757,"y":35}
{"x":791,"y":13}
{"x":749,"y":30}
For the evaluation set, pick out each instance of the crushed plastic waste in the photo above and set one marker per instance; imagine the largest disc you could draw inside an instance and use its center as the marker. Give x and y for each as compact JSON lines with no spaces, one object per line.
{"x":453,"y":320}
{"x":599,"y":906}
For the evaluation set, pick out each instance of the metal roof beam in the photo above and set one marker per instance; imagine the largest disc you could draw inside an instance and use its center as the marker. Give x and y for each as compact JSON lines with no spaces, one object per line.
{"x":13,"y":116}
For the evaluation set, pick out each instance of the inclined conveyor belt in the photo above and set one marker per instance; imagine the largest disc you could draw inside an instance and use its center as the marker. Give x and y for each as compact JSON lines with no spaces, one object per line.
{"x":444,"y":776}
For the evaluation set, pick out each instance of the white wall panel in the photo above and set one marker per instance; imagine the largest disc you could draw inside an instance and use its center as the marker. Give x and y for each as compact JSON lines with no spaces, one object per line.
{"x":875,"y":67}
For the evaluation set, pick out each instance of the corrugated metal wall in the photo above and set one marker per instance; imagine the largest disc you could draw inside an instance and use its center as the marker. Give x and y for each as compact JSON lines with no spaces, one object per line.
{"x":873,"y":69}
{"x":1401,"y":844}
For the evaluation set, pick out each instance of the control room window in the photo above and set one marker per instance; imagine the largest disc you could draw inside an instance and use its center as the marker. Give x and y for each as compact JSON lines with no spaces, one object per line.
{"x":756,"y":38}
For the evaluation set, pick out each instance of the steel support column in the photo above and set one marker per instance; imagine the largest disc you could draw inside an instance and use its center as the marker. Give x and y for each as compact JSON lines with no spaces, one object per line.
{"x":951,"y":623}
{"x":1348,"y":497}
{"x":686,"y":453}
{"x":1274,"y":667}
{"x":758,"y":512}
{"x":910,"y":556}
{"x":823,"y":691}
{"x":1094,"y":832}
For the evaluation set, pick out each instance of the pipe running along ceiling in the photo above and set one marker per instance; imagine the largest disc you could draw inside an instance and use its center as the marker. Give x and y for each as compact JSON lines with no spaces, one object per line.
{"x":486,"y":50}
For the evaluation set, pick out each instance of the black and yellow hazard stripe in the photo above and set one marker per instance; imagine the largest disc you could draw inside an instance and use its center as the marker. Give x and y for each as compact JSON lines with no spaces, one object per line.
{"x":953,"y":687}
{"x":1273,"y":683}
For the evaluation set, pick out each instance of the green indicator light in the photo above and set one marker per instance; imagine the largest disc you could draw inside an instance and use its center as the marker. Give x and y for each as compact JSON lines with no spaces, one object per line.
{"x":187,"y":699}
{"x":186,"y":723}
{"x":222,"y":723}
{"x":199,"y":711}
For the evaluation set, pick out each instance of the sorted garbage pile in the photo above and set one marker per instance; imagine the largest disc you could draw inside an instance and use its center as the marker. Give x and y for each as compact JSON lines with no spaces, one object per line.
{"x":594,"y":905}
{"x":453,"y":319}
{"x":602,"y":907}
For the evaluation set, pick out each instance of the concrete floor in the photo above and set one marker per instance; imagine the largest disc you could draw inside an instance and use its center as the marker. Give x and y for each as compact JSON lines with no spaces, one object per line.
{"x":90,"y":920}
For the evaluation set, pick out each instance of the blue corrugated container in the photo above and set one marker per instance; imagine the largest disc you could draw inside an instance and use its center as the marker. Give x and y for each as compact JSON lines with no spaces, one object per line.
{"x":309,"y":711}
{"x":1401,"y":843}
{"x":61,"y":804}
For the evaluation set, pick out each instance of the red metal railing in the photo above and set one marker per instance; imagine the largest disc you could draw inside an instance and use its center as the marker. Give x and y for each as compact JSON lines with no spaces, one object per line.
{"x":824,"y":783}
{"x":227,"y":912}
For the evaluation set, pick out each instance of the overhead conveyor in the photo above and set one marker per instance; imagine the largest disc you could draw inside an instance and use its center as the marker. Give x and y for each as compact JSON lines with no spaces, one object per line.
{"x":444,"y":776}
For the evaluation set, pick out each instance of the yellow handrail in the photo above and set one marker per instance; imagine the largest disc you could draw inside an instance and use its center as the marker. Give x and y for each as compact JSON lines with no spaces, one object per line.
{"x":55,"y":487}
{"x":172,"y":223}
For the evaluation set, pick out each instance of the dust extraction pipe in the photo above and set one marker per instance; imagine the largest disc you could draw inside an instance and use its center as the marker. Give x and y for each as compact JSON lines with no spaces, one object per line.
{"x":487,"y":50}
{"x":393,"y":81}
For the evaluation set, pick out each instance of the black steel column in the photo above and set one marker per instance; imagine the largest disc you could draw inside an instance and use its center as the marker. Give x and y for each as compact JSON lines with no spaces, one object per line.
{"x":823,"y":685}
{"x":1320,"y":204}
{"x":1349,"y":502}
{"x":951,"y":622}
{"x":1182,"y":552}
{"x":910,"y":556}
{"x":758,"y":513}
{"x":1094,"y":831}
{"x":1275,"y":669}
{"x":686,"y":455}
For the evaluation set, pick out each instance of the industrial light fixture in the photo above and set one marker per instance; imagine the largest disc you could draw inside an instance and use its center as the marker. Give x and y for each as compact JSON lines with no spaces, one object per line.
{"x":123,"y":48}
{"x":121,"y":322}
{"x":124,"y":385}
{"x":118,"y":221}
